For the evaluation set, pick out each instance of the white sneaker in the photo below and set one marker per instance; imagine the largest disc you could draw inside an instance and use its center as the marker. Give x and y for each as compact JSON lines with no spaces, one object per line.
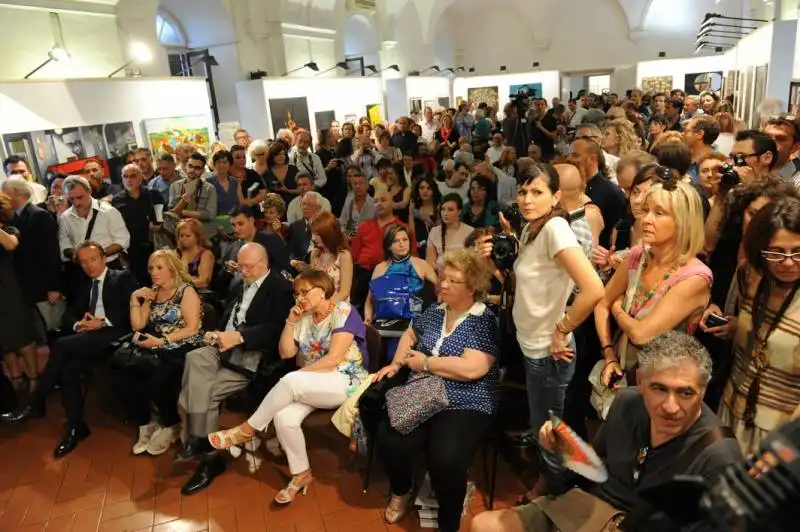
{"x":162,"y":440}
{"x":145,"y":435}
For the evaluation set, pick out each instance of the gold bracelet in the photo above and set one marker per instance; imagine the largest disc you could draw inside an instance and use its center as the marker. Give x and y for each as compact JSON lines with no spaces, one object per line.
{"x":560,"y":328}
{"x":571,"y":323}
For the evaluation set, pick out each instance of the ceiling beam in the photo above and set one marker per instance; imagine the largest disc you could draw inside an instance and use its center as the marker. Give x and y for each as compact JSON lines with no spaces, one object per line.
{"x":62,"y":6}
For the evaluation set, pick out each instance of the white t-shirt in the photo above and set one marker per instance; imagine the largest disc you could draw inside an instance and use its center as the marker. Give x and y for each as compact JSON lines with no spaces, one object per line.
{"x":543,"y":287}
{"x":453,"y":242}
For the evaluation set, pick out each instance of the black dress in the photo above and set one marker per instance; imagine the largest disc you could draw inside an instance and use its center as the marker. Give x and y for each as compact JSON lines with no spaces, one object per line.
{"x":289,"y":181}
{"x":16,"y":323}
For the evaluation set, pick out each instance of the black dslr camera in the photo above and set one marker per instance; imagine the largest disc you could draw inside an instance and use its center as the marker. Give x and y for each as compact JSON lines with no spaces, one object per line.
{"x":505,"y":246}
{"x":521,"y":100}
{"x":730,"y":179}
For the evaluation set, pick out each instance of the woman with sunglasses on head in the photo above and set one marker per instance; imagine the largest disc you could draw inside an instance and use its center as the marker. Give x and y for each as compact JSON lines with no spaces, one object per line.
{"x":328,"y":339}
{"x":763,"y":391}
{"x":661,"y":285}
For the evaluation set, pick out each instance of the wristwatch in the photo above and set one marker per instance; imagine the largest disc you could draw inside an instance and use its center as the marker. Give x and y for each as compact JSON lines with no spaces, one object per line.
{"x":425,"y":367}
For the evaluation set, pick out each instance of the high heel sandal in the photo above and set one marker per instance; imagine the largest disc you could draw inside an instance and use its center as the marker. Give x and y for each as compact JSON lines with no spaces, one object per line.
{"x":397,"y":508}
{"x":225,"y":439}
{"x":298,"y":484}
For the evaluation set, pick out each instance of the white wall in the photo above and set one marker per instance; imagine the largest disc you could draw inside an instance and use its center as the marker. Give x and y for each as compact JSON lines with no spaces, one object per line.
{"x":678,"y":68}
{"x":342,"y":95}
{"x":396,"y":98}
{"x":550,"y":81}
{"x":226,"y":75}
{"x":38,"y":105}
{"x":28,"y":36}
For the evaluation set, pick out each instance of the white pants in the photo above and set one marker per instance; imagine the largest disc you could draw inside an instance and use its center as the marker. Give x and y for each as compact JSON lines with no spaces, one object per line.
{"x":289,"y":402}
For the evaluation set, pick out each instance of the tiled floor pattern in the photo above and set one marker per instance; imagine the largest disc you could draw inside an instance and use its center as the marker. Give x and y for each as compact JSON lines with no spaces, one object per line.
{"x":102,"y":486}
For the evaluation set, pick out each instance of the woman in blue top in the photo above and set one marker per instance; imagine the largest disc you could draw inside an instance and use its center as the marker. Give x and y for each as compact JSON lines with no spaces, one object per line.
{"x":461,"y":335}
{"x":227,"y":186}
{"x":481,"y":210}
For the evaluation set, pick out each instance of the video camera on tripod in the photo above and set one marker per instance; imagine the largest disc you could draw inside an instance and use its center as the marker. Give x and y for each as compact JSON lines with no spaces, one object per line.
{"x":522,"y":99}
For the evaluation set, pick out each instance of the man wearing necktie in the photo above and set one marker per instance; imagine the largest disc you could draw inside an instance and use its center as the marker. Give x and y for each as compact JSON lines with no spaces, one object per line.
{"x":243,"y":350}
{"x":99,"y":316}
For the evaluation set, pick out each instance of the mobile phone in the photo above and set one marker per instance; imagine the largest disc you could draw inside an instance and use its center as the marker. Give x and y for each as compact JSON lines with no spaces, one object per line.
{"x":615,"y":378}
{"x":715,"y":320}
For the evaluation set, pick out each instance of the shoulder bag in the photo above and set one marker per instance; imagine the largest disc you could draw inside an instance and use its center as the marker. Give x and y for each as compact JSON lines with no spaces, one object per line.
{"x":419,"y":399}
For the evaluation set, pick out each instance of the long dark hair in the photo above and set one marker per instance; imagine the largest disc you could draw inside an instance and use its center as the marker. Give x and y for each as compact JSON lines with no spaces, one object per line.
{"x":437,"y":194}
{"x":454,"y":198}
{"x":783,"y":213}
{"x":549,"y":176}
{"x":388,"y":239}
{"x":401,"y":174}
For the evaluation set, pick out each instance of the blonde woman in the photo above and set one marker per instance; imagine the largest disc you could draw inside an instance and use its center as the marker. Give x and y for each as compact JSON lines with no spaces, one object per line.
{"x":619,"y":137}
{"x":166,"y":322}
{"x":195,"y":252}
{"x":662,"y":286}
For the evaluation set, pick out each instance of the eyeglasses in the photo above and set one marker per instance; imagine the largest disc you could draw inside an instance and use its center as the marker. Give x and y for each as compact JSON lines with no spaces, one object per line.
{"x":196,"y":168}
{"x":248,"y":267}
{"x":303,"y":292}
{"x":452,"y":281}
{"x":779,"y":256}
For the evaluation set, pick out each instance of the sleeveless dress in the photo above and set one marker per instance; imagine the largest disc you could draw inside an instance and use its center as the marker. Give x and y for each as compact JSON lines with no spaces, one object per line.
{"x":167,"y":317}
{"x":640,"y":308}
{"x":780,"y":381}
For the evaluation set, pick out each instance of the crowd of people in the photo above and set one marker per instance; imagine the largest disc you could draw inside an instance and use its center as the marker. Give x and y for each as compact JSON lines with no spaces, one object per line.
{"x":656,"y":268}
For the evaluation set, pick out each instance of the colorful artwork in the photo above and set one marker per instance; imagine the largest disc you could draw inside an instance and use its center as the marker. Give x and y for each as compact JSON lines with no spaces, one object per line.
{"x":459,"y":101}
{"x":657,"y":84}
{"x":76,"y":167}
{"x":534,"y":90}
{"x":702,"y":81}
{"x":289,"y":113}
{"x":488,"y":95}
{"x":375,"y":113}
{"x":164,"y":134}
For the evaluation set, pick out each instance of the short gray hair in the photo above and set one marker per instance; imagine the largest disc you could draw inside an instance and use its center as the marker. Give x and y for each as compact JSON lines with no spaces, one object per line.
{"x":672,"y":348}
{"x":593,"y":127}
{"x":75,"y":181}
{"x":18,"y":184}
{"x":316,"y":195}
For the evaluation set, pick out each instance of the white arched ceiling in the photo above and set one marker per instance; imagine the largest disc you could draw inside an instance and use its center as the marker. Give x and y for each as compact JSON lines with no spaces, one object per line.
{"x":360,"y":36}
{"x":680,"y":16}
{"x":205,"y":22}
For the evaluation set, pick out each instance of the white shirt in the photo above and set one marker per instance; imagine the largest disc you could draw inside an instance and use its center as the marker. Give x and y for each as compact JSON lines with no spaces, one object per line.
{"x":543,"y":286}
{"x":577,"y":117}
{"x":462,"y":190}
{"x":429,"y":129}
{"x":494,"y":153}
{"x":38,"y":193}
{"x":295,"y":209}
{"x":611,"y":164}
{"x":109,"y":228}
{"x":452,"y":242}
{"x":309,"y":164}
{"x":244,"y":306}
{"x":100,"y":309}
{"x":506,"y":186}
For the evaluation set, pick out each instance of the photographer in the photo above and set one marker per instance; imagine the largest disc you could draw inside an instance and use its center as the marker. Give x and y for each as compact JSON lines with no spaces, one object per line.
{"x":754,"y":155}
{"x":549,"y":264}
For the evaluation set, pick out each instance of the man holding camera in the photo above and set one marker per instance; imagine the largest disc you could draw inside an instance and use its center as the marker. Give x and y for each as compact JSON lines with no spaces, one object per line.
{"x":754,"y":155}
{"x":653,"y":433}
{"x":786,"y":135}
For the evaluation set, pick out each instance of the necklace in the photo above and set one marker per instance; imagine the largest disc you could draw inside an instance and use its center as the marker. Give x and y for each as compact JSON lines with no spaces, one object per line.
{"x":325,"y":314}
{"x":642,"y":297}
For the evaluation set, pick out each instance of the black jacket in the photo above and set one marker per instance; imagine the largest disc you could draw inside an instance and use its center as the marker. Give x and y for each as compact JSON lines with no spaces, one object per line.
{"x":37,"y":259}
{"x":117,"y":290}
{"x":266,"y":315}
{"x":299,"y":240}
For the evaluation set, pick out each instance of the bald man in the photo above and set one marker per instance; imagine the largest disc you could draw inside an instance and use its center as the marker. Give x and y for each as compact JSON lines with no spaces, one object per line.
{"x":586,"y":219}
{"x":242,"y":351}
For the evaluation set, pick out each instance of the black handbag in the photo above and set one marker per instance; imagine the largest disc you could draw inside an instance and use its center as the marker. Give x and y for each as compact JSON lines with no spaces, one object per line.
{"x":129,"y":357}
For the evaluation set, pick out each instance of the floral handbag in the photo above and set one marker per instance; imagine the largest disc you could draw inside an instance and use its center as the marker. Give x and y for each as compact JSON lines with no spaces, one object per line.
{"x":415,"y":402}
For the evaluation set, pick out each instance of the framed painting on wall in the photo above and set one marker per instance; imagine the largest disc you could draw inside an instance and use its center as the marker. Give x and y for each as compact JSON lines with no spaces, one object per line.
{"x":164,"y":134}
{"x":794,"y":98}
{"x":657,"y":84}
{"x":479,"y":95}
{"x":324,"y":119}
{"x":444,"y":101}
{"x":534,"y":89}
{"x":415,"y":105}
{"x":289,"y":113}
{"x":375,"y":113}
{"x":702,"y":81}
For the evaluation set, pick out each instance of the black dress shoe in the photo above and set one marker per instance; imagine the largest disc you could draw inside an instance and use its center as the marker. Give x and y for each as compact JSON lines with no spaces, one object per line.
{"x":24,"y":413}
{"x":213,"y":465}
{"x":71,"y":440}
{"x":193,"y":450}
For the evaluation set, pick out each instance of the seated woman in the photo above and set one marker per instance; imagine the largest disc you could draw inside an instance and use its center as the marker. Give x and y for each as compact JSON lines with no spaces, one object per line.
{"x":461,"y":334}
{"x":662,"y":286}
{"x":328,"y":339}
{"x":423,"y":212}
{"x":274,"y":209}
{"x":166,"y":320}
{"x":195,"y":252}
{"x":399,"y":262}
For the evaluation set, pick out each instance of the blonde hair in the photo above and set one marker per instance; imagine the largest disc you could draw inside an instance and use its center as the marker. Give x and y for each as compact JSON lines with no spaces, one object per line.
{"x":173,"y":263}
{"x":665,"y":137}
{"x":217,"y":146}
{"x":475,"y":269}
{"x":626,"y":135}
{"x":616,"y":113}
{"x":687,"y":210}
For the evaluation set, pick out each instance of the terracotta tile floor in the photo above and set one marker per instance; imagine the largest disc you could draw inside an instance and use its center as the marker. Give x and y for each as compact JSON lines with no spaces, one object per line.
{"x":102,"y":486}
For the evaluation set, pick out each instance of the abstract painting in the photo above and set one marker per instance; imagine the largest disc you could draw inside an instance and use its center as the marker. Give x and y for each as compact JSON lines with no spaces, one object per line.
{"x":324,"y":119}
{"x":375,"y":113}
{"x":444,"y":101}
{"x":488,"y":95}
{"x":120,"y":138}
{"x":702,"y":81}
{"x":534,"y":89}
{"x":164,"y":134}
{"x":289,"y":113}
{"x":657,"y":84}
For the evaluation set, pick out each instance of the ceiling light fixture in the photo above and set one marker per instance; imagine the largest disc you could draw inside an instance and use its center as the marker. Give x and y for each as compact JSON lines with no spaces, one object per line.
{"x":312,"y":65}
{"x":340,"y":64}
{"x":56,"y":53}
{"x":139,"y":52}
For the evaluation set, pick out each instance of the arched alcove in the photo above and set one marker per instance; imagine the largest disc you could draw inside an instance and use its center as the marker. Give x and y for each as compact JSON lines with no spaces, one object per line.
{"x":361,"y":39}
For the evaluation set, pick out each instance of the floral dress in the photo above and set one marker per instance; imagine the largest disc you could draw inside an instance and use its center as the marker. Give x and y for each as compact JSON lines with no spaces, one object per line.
{"x":314,"y":339}
{"x":167,"y":317}
{"x":331,"y":265}
{"x":638,"y":305}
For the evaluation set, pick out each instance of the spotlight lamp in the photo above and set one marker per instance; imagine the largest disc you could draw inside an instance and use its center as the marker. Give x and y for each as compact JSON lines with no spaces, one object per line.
{"x":503,"y":68}
{"x":371,"y":68}
{"x":414,"y":73}
{"x":536,"y":64}
{"x":340,"y":64}
{"x":471,"y":69}
{"x":312,"y":65}
{"x":56,"y":53}
{"x":434,"y":67}
{"x":139,"y":53}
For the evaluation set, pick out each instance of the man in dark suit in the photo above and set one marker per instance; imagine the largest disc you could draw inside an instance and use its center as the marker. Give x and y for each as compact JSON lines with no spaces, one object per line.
{"x":244,"y":349}
{"x":99,"y":316}
{"x":300,"y":231}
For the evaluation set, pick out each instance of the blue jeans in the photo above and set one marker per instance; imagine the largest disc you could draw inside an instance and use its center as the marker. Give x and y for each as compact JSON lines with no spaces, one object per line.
{"x":547,"y":380}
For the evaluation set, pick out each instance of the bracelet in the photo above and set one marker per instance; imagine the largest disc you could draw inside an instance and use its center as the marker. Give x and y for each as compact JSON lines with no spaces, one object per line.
{"x":609,"y":362}
{"x":425,"y":367}
{"x":607,"y":346}
{"x":291,"y":323}
{"x":560,"y":328}
{"x":571,"y":323}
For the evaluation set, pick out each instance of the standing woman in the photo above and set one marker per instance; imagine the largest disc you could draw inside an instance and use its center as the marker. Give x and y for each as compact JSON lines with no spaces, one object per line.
{"x":259,"y":151}
{"x":281,"y":176}
{"x":508,"y":161}
{"x":449,"y":235}
{"x":399,"y":190}
{"x":227,"y":186}
{"x":447,"y":134}
{"x":763,"y":390}
{"x":17,"y":334}
{"x":481,"y":210}
{"x":252,"y":186}
{"x":331,"y":254}
{"x":550,"y":264}
{"x":423,"y":213}
{"x":662,"y":285}
{"x":619,"y":137}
